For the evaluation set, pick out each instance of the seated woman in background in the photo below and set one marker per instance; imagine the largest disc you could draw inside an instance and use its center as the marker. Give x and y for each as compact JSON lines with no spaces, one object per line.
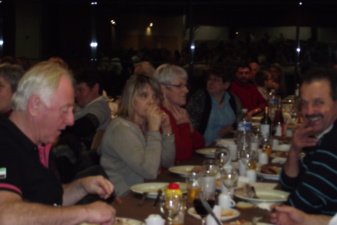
{"x":140,"y":139}
{"x":173,"y":83}
{"x":214,"y":111}
{"x":9,"y":79}
{"x":264,"y":83}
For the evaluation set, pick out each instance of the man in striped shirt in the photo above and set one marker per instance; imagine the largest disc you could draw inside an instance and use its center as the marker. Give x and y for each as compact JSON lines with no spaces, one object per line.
{"x":311,"y":179}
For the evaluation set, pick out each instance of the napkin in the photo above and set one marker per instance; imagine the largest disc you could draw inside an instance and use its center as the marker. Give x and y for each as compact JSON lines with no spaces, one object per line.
{"x":264,"y":205}
{"x":217,"y":211}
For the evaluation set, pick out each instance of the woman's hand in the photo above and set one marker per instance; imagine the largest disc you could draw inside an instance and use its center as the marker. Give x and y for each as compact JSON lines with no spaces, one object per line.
{"x":180,"y":114}
{"x":166,"y":124}
{"x":155,"y":117}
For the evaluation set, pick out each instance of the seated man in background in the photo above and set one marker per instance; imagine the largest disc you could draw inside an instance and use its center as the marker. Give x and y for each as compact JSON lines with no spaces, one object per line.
{"x":249,"y":95}
{"x":9,"y":79}
{"x":310,"y":179}
{"x":91,"y":113}
{"x":29,"y":188}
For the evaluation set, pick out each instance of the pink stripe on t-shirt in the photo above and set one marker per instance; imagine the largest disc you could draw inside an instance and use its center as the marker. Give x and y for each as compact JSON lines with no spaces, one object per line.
{"x":10,"y":187}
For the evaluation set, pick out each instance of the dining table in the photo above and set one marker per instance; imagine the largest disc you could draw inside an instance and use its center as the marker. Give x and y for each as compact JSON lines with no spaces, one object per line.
{"x":129,"y":207}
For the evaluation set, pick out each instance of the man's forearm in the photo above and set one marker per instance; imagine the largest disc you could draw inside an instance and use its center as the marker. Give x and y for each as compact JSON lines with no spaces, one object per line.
{"x":291,"y":167}
{"x":20,"y":212}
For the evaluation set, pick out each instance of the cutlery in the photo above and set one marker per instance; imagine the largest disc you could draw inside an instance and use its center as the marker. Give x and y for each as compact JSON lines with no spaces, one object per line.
{"x":254,"y":192}
{"x":142,"y":200}
{"x":159,"y":193}
{"x":209,"y":209}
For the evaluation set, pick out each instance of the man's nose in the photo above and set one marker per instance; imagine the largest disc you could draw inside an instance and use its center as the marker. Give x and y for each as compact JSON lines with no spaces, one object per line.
{"x":70,"y":118}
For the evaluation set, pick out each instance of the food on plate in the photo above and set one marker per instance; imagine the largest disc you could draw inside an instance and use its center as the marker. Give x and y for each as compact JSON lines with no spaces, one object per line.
{"x":247,"y":191}
{"x":238,"y":222}
{"x":270,"y":169}
{"x":245,"y":205}
{"x":224,"y":212}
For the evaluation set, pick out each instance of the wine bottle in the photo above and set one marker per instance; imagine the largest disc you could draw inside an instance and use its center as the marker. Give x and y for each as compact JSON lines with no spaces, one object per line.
{"x":278,"y":123}
{"x":265,"y":124}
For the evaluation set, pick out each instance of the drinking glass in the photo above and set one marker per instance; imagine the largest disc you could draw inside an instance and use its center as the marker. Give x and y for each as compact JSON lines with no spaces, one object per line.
{"x":193,"y":185}
{"x":199,"y":207}
{"x":170,"y":207}
{"x":229,"y":177}
{"x":222,"y":155}
{"x":208,"y":180}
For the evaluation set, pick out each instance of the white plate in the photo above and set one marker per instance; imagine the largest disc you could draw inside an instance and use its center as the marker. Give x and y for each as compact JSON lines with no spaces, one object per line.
{"x":282,"y":148}
{"x":152,"y":188}
{"x":183,"y":171}
{"x":207,"y":152}
{"x":226,"y":214}
{"x":269,"y":196}
{"x":121,"y":221}
{"x":268,"y":176}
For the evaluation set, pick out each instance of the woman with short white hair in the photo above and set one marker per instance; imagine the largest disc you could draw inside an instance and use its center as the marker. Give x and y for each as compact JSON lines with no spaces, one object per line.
{"x":173,"y":82}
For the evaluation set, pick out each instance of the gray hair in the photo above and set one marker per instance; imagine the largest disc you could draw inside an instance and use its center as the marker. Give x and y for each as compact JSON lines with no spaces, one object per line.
{"x":167,"y":73}
{"x":12,"y":74}
{"x":42,"y":80}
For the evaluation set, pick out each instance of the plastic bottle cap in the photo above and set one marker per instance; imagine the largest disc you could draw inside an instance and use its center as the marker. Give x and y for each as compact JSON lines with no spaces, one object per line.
{"x":173,"y":186}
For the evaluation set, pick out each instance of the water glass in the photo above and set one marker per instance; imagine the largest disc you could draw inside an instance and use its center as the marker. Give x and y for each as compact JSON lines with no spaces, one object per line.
{"x":193,"y":184}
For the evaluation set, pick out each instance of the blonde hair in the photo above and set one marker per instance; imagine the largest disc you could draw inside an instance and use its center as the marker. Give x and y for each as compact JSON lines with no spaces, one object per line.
{"x":42,"y":80}
{"x":133,"y":87}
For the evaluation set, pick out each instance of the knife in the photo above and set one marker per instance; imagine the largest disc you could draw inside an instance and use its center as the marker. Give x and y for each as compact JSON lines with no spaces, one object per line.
{"x":209,"y":209}
{"x":159,"y":193}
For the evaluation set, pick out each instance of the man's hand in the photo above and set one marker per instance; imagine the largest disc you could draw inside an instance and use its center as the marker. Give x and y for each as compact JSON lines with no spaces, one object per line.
{"x":302,"y":138}
{"x":100,"y":213}
{"x":286,"y":215}
{"x":97,"y":185}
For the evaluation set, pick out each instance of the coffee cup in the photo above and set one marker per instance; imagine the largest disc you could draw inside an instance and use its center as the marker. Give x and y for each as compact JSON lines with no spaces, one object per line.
{"x":225,"y":201}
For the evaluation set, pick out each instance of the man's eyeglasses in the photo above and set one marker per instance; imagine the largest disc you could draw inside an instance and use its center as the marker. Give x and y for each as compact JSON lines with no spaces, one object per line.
{"x":179,"y":86}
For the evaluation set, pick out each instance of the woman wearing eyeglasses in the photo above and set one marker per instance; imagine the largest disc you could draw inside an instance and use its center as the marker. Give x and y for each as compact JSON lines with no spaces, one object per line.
{"x":214,"y":111}
{"x":140,"y":140}
{"x":173,"y":83}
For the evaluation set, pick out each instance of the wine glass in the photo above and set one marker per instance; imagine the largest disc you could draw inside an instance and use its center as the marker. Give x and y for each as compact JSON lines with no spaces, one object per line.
{"x":170,"y":207}
{"x":199,"y":207}
{"x":229,"y":177}
{"x":222,"y":154}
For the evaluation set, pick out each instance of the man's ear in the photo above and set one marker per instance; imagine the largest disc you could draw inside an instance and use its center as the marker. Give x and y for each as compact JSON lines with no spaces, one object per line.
{"x":34,"y":105}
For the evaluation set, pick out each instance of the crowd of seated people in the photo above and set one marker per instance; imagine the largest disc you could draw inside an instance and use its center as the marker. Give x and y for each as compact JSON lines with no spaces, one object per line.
{"x":159,"y":124}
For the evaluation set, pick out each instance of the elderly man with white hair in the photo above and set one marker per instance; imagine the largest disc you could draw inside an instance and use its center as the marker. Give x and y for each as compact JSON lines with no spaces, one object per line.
{"x":29,"y":190}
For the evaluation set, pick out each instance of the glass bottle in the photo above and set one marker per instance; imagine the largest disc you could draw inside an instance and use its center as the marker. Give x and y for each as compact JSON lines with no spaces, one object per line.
{"x":265,"y":124}
{"x":278,"y":123}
